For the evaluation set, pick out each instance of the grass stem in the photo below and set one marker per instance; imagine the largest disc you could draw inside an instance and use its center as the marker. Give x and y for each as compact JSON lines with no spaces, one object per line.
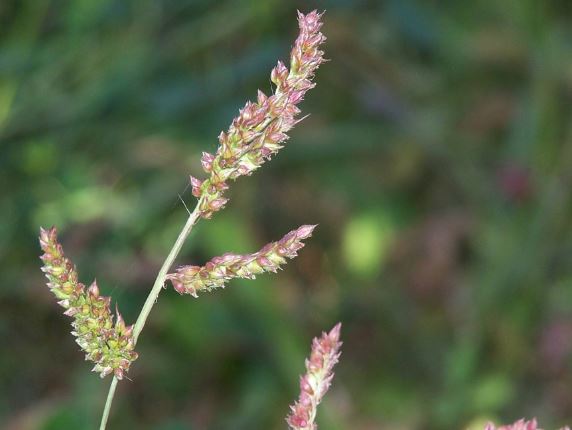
{"x":152,"y":299}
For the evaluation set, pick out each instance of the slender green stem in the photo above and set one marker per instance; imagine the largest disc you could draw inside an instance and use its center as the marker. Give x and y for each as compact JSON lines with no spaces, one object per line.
{"x":160,"y":280}
{"x":108,"y":402}
{"x":152,"y":298}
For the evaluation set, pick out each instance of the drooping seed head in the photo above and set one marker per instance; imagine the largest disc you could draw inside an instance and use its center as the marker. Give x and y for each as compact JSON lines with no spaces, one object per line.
{"x":109,"y":345}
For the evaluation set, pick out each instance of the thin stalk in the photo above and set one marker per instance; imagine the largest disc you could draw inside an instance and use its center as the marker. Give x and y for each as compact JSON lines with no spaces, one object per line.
{"x":152,"y":298}
{"x":108,"y":402}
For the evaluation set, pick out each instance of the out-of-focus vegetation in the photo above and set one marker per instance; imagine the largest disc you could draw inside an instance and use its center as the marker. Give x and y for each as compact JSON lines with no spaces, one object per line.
{"x":437,"y":160}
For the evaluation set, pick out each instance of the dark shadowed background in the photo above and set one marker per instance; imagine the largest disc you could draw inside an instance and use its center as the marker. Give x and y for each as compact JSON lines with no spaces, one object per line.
{"x":437,"y":161}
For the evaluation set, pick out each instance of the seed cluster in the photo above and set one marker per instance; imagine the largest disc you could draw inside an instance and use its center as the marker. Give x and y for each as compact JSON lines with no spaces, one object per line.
{"x":110,"y":346}
{"x":219,"y":270}
{"x":317,"y":380}
{"x":260,"y":128}
{"x":519,"y":425}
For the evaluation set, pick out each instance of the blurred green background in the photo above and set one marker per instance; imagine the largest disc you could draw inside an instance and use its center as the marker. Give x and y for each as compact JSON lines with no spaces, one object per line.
{"x":437,"y":160}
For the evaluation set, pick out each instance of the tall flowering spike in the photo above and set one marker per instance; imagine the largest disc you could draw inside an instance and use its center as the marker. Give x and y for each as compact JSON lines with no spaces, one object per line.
{"x":109,"y":346}
{"x":519,"y":425}
{"x":218,"y":271}
{"x":316,"y":382}
{"x":260,"y":128}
